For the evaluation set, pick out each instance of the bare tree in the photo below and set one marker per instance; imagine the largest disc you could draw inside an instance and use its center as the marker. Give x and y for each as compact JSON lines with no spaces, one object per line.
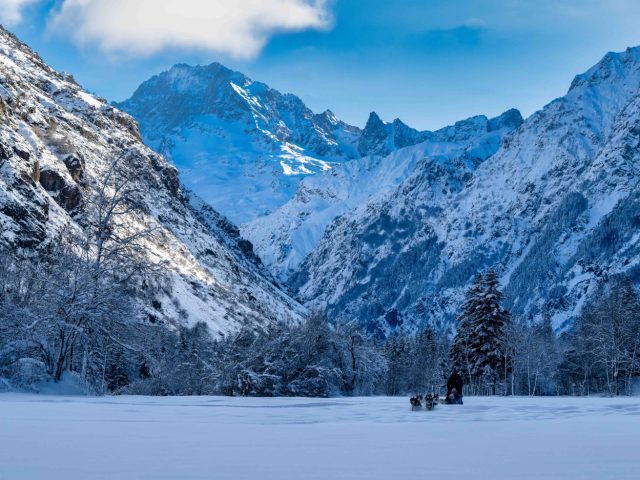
{"x":72,"y":298}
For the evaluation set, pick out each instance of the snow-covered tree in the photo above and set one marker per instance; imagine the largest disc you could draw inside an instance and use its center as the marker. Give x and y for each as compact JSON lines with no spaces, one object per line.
{"x":479,"y":347}
{"x":534,"y":357}
{"x":461,"y":353}
{"x":362,"y":364}
{"x":68,"y":304}
{"x":603,"y":347}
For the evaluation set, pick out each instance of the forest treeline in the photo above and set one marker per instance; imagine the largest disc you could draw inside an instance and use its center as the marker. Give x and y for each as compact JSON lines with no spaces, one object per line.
{"x":54,"y":322}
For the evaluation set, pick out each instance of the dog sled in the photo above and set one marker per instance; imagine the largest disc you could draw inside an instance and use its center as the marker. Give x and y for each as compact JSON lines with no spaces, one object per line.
{"x":430,"y":401}
{"x":424,"y":402}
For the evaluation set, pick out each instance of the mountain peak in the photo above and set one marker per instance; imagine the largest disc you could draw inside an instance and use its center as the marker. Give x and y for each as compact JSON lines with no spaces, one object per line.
{"x":512,"y":118}
{"x":329,"y":115}
{"x":374,"y":139}
{"x":374,"y":121}
{"x":614,"y":68}
{"x":243,"y":145}
{"x":200,"y":77}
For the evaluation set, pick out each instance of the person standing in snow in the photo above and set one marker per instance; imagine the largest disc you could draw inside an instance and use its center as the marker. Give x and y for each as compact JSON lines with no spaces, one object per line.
{"x":454,"y":387}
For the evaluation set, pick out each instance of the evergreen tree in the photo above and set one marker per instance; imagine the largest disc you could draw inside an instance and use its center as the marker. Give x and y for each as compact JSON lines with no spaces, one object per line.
{"x":479,"y":348}
{"x":488,"y":334}
{"x":460,"y":353}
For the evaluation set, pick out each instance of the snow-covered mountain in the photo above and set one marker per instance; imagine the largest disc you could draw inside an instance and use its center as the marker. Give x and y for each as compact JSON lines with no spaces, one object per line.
{"x":387,"y":224}
{"x":57,"y":141}
{"x":555,"y":210}
{"x":239,"y":144}
{"x":254,"y":153}
{"x":284,"y":238}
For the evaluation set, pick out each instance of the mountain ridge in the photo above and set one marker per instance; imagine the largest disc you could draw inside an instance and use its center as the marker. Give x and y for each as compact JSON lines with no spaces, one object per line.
{"x":543,"y":210}
{"x":284,"y":238}
{"x":56,"y":143}
{"x":244,"y":133}
{"x":244,"y":146}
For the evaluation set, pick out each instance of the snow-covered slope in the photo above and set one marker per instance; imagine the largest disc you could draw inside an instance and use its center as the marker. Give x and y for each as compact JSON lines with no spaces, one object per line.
{"x":284,"y":238}
{"x":555,"y":210}
{"x":56,"y":141}
{"x":239,"y":144}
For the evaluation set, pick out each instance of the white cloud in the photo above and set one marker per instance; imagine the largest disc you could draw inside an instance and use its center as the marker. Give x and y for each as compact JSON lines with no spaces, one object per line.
{"x":236,"y":27}
{"x":11,"y":10}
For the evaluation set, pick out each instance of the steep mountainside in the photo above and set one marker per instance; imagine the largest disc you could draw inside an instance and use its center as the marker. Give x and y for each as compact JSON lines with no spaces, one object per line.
{"x":555,"y":210}
{"x":57,"y":141}
{"x":239,"y":144}
{"x":284,"y":238}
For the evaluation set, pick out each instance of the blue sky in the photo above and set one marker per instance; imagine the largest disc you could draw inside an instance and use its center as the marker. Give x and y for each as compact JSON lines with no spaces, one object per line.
{"x":428,"y":62}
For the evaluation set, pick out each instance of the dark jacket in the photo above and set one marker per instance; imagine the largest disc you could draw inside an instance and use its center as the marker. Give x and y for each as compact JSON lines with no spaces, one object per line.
{"x":455,"y":381}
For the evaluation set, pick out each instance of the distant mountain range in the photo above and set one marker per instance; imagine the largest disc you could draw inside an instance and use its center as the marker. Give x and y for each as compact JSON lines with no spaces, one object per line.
{"x":245,"y":148}
{"x":284,"y":238}
{"x":391,"y":228}
{"x":385,"y":225}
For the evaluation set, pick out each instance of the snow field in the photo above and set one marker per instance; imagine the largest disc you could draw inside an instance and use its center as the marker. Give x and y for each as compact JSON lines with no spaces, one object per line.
{"x":46,"y":437}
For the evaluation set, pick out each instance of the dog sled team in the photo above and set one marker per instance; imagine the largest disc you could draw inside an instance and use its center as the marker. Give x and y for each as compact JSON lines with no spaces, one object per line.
{"x":453,"y":397}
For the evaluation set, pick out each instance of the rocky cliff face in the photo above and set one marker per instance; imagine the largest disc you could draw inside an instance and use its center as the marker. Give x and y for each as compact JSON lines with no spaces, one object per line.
{"x":554,"y":210}
{"x":57,"y":141}
{"x":379,"y":138}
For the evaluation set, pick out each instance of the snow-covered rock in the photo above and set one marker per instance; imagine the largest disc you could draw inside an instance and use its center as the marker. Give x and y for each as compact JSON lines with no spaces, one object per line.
{"x":555,"y":209}
{"x":56,"y":141}
{"x":284,"y":238}
{"x":239,"y":144}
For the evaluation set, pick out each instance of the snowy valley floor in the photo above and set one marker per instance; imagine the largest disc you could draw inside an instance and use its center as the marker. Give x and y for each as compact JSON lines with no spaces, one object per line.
{"x":68,"y":438}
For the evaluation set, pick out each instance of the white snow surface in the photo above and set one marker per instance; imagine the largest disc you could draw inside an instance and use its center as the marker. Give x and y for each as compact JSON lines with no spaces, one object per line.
{"x":306,"y":439}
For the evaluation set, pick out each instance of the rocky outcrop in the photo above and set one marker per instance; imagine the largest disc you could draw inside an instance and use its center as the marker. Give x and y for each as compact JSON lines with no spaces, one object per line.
{"x":379,"y":138}
{"x":76,"y":166}
{"x":67,"y":195}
